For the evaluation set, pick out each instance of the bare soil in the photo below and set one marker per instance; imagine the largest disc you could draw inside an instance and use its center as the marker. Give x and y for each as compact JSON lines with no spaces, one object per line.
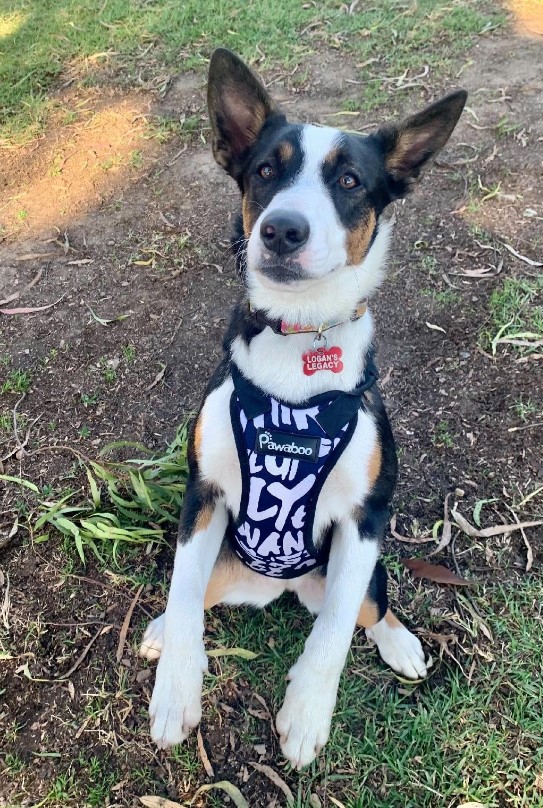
{"x":124,"y":224}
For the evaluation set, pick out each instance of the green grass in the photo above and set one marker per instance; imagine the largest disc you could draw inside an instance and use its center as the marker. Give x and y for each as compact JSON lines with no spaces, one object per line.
{"x":392,"y":745}
{"x":17,"y":381}
{"x":116,"y":40}
{"x":123,"y":504}
{"x":516,"y":313}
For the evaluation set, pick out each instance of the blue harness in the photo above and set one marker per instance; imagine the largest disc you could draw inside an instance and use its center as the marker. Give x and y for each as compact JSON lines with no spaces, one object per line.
{"x":286,"y":453}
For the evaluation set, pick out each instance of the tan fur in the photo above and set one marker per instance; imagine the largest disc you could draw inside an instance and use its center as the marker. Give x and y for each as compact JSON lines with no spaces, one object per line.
{"x":247,"y":216}
{"x":203,"y":519}
{"x":392,"y":620}
{"x":285,"y":151}
{"x":375,"y":464}
{"x":198,"y":438}
{"x":358,"y":240}
{"x":224,"y":578}
{"x":331,"y":157}
{"x":368,"y":615}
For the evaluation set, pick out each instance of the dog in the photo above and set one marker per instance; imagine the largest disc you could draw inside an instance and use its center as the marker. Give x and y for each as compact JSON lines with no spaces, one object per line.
{"x":292,"y":462}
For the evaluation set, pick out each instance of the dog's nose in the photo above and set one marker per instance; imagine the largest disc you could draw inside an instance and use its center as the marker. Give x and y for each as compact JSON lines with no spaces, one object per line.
{"x":283,"y":232}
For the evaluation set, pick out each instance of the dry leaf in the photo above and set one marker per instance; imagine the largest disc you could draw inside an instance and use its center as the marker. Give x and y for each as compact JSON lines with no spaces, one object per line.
{"x":446,"y":533}
{"x":408,"y":539}
{"x":472,"y":805}
{"x":234,"y":793}
{"x":158,"y":378}
{"x":126,"y":624}
{"x":336,"y":802}
{"x":487,"y":532}
{"x":203,"y":755}
{"x":274,"y":777}
{"x":158,"y":802}
{"x":436,"y":327}
{"x":239,"y":652}
{"x":433,"y":572}
{"x":31,"y":309}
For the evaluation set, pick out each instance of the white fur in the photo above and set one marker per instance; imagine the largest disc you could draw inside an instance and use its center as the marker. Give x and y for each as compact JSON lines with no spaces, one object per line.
{"x":176,"y":703}
{"x":399,"y":648}
{"x":304,"y":719}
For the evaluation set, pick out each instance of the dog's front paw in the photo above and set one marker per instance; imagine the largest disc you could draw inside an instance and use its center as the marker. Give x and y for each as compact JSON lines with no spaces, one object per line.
{"x":399,"y":648}
{"x":151,"y":645}
{"x":304,"y":720}
{"x":176,"y":704}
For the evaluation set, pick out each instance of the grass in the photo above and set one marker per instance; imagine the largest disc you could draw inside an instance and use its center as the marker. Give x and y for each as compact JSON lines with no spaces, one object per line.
{"x":123,"y":503}
{"x":516,"y":315}
{"x":39,"y":42}
{"x":458,"y":737}
{"x":17,"y":381}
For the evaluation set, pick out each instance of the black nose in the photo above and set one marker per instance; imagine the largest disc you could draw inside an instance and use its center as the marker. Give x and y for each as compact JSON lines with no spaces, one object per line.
{"x":284,"y":231}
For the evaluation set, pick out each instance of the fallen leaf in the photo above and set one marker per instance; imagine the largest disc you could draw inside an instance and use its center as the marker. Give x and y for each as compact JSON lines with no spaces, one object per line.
{"x":487,"y":532}
{"x":31,"y":309}
{"x":436,"y":327}
{"x":336,"y":802}
{"x":107,"y":321}
{"x":408,"y":539}
{"x":80,"y":262}
{"x":34,"y":256}
{"x":446,"y":533}
{"x":15,"y":295}
{"x":126,"y":624}
{"x":522,"y":258}
{"x":433,"y":572}
{"x":203,"y":755}
{"x":472,"y":805}
{"x":239,"y":652}
{"x":158,"y":802}
{"x":158,"y":378}
{"x":234,"y":793}
{"x":274,"y":777}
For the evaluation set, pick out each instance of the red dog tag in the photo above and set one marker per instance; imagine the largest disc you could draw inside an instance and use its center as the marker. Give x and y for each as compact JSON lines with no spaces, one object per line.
{"x":322,"y":359}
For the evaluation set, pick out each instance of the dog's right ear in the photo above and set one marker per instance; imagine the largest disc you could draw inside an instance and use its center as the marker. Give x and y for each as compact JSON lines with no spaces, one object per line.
{"x":238,"y":108}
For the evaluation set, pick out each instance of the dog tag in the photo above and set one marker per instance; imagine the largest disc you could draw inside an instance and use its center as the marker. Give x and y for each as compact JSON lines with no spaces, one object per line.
{"x":322,"y":359}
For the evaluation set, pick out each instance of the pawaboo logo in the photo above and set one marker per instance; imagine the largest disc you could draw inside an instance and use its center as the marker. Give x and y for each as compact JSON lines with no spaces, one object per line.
{"x":282,"y":443}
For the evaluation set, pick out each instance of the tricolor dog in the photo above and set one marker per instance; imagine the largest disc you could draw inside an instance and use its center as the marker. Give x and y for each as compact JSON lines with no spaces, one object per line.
{"x":292,"y":458}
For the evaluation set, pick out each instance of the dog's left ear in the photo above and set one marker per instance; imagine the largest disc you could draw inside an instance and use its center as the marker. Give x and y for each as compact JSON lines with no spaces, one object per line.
{"x":238,"y":108}
{"x":410,"y":145}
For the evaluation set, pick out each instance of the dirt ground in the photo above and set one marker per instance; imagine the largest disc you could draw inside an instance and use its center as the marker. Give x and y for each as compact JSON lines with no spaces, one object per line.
{"x":118,"y":222}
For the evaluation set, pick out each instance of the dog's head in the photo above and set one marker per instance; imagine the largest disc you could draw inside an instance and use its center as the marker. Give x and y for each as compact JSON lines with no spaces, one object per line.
{"x":312,"y":195}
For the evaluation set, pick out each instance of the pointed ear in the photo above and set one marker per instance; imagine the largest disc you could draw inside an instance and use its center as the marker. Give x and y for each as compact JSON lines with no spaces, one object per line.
{"x":410,"y":145}
{"x":238,"y":108}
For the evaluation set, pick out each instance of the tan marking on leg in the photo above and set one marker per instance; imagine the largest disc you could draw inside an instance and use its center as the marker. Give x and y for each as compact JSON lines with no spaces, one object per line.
{"x":198,"y":437}
{"x":286,"y":151}
{"x":375,"y":463}
{"x":368,"y":615}
{"x":392,"y":620}
{"x":358,"y":240}
{"x":226,"y":575}
{"x":204,"y":518}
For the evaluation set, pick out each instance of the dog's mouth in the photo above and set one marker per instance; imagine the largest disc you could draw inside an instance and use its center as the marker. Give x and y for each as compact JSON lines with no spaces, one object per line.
{"x":285,"y":271}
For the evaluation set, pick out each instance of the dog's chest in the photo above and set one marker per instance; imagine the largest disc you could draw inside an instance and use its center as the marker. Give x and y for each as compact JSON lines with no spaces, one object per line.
{"x":346,"y":485}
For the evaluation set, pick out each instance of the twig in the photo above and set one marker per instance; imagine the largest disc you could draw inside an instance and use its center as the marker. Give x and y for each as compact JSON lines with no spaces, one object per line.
{"x":126,"y":624}
{"x":83,"y":654}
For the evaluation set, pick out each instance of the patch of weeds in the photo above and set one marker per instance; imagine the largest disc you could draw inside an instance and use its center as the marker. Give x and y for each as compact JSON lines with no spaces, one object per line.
{"x":84,"y":431}
{"x":22,"y":215}
{"x":110,"y":374}
{"x":111,"y":163}
{"x":429,"y":264}
{"x":125,"y":503}
{"x":89,"y":399}
{"x":135,"y":159}
{"x":13,"y":763}
{"x":524,"y":408}
{"x":442,"y":436}
{"x":447,"y":297}
{"x":129,"y":353}
{"x":62,"y":789}
{"x":505,"y":127}
{"x":516,"y":311}
{"x":18,"y":381}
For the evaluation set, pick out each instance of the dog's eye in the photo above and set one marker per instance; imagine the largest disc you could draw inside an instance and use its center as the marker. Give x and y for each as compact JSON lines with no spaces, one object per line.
{"x":266,"y":171}
{"x":348,"y":181}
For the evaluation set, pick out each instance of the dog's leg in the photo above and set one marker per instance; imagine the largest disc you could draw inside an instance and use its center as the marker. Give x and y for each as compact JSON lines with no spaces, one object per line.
{"x":232,"y":583}
{"x":397,"y":646}
{"x":304,"y":719}
{"x":176,"y":703}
